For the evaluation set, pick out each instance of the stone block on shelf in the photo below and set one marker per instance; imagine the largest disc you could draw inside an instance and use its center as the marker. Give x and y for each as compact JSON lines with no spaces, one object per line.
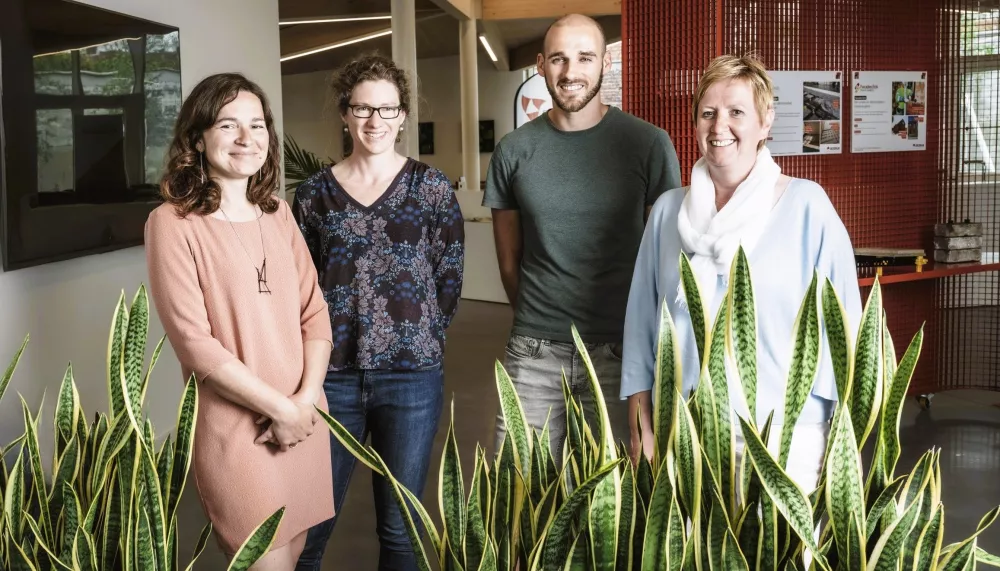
{"x":953,"y":229}
{"x":957,"y":242}
{"x":957,"y":256}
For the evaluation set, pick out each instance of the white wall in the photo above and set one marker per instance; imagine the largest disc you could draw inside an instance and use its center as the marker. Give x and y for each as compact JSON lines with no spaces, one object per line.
{"x":315,"y":123}
{"x":66,"y":306}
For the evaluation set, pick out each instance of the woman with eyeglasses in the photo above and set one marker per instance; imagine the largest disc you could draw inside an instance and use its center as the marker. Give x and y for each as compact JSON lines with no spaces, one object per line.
{"x":386,"y":235}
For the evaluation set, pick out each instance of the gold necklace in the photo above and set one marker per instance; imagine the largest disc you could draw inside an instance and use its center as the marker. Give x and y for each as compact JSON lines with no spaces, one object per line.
{"x":262,"y":270}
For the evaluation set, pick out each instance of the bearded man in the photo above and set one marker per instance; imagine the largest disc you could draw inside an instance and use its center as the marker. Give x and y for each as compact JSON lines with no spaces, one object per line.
{"x":570,"y":192}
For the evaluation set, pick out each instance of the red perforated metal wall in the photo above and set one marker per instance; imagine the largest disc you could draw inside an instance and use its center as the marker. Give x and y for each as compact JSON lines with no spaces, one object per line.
{"x":885,"y":199}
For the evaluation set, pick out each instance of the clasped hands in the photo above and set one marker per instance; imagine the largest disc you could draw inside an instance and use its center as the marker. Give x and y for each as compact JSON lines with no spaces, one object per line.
{"x":295,"y":422}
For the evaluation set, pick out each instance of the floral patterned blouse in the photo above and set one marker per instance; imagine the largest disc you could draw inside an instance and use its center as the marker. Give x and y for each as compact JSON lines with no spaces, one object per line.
{"x":391,"y":272}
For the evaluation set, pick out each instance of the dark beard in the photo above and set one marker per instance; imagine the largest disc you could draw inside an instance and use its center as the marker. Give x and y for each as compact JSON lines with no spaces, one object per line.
{"x":578,"y":104}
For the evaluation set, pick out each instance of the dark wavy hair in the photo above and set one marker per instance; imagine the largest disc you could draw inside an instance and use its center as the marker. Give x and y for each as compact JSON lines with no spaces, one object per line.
{"x":185,"y":184}
{"x":371,"y":67}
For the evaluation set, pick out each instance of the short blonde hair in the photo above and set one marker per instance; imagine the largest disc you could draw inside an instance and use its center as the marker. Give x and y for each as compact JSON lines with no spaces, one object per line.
{"x":747,"y":68}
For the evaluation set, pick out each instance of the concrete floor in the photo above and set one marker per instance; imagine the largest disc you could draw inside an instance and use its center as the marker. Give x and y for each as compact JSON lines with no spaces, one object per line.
{"x":964,"y":424}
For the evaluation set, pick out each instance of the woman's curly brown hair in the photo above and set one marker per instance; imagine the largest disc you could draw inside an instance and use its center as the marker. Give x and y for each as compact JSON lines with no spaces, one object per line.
{"x":369,"y":68}
{"x":185,"y":184}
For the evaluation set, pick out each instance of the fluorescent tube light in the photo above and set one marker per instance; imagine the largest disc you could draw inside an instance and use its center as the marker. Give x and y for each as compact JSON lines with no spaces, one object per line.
{"x":486,"y":44}
{"x":293,"y":21}
{"x":379,"y":34}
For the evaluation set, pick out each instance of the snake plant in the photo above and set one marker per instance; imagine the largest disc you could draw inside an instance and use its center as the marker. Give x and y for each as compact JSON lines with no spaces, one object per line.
{"x":692,"y":506}
{"x":111,"y":499}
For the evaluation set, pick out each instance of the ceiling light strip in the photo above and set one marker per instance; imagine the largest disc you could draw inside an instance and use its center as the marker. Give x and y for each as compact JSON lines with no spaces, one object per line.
{"x":379,"y":34}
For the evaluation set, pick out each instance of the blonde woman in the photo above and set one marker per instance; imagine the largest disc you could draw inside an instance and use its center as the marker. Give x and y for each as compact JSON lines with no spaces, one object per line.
{"x":788,"y":227}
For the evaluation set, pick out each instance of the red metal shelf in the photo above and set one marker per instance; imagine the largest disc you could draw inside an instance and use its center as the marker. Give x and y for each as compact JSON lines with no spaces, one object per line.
{"x":931,"y":272}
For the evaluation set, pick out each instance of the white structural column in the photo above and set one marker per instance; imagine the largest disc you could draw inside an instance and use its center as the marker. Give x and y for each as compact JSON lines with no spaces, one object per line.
{"x":468,"y":56}
{"x":404,"y":53}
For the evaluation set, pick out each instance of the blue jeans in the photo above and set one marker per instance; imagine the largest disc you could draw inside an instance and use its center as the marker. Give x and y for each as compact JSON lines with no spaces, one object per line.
{"x":400,"y":411}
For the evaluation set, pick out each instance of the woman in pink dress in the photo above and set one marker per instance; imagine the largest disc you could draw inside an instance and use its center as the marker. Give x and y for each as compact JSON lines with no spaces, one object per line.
{"x":236,"y":291}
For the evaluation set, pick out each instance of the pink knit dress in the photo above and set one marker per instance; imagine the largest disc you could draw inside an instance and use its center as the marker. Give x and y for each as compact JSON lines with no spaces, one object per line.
{"x":204,"y":287}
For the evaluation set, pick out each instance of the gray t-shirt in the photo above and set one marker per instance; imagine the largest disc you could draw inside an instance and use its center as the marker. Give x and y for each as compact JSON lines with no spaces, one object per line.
{"x":582,"y":197}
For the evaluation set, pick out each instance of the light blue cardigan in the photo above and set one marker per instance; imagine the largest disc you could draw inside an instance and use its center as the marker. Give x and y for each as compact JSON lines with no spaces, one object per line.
{"x":804,"y":232}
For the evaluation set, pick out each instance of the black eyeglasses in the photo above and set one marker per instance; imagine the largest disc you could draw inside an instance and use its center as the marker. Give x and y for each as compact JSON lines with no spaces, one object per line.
{"x":366,"y":111}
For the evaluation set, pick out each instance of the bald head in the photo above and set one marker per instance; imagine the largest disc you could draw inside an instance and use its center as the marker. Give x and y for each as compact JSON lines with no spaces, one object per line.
{"x":575,"y":24}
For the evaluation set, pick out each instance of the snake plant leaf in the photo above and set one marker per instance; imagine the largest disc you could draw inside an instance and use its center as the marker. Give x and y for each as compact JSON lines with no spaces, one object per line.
{"x":114,"y":441}
{"x":723,"y":448}
{"x":695,"y":305}
{"x":83,"y":552}
{"x":489,"y":559}
{"x":12,"y":366}
{"x":368,"y":458}
{"x":37,"y":474}
{"x":687,"y":452}
{"x":116,"y":365}
{"x":475,"y":531}
{"x":112,"y":524}
{"x":199,"y":547}
{"x":845,"y":499}
{"x":259,"y":542}
{"x":21,"y":560}
{"x":929,"y":541}
{"x":411,"y":529}
{"x":787,"y":497}
{"x":149,"y":369}
{"x":894,"y":402}
{"x":604,"y":505}
{"x":959,"y":558}
{"x":145,"y":554}
{"x":987,"y":558}
{"x":451,"y":492}
{"x":67,"y":411}
{"x":65,"y":473}
{"x":514,"y":419}
{"x":133,"y":353}
{"x":866,"y":384}
{"x":805,"y":363}
{"x":666,"y":385}
{"x":187,"y":422}
{"x":732,"y":557}
{"x":71,"y":522}
{"x":153,"y":508}
{"x":885,"y":499}
{"x":626,"y":521}
{"x":654,"y":551}
{"x":838,"y":339}
{"x":888,"y":550}
{"x":164,"y":461}
{"x":555,"y":538}
{"x":53,"y":559}
{"x":742,"y":343}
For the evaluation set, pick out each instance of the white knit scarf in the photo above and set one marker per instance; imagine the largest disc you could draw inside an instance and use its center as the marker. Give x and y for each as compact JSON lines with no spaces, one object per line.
{"x":712,"y":236}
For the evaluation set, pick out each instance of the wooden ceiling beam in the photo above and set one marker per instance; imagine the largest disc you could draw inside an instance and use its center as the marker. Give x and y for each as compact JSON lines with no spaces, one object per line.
{"x":516,"y":9}
{"x":461,"y":9}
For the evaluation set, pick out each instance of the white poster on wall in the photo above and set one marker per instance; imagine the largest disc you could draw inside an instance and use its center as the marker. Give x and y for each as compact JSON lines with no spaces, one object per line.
{"x":888,"y":111}
{"x":807,"y":113}
{"x":531,"y":100}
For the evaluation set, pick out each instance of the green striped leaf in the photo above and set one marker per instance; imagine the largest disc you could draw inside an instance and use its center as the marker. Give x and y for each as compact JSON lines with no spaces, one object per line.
{"x":844,"y":494}
{"x":732,"y":557}
{"x":929,"y":541}
{"x":53,"y":559}
{"x":9,"y":373}
{"x":555,"y":538}
{"x":145,"y":555}
{"x":687,"y":452}
{"x":654,"y":551}
{"x":199,"y":547}
{"x":695,"y":305}
{"x":742,"y":343}
{"x":133,"y":354}
{"x":716,"y":434}
{"x":71,"y":521}
{"x":626,"y":520}
{"x":894,"y":402}
{"x":838,"y":338}
{"x":475,"y":531}
{"x":885,"y":499}
{"x":514,"y":419}
{"x":65,"y":473}
{"x":866,"y":386}
{"x":368,"y":458}
{"x":112,"y":524}
{"x":666,"y":385}
{"x":116,"y":365}
{"x":258,"y":543}
{"x":67,"y":413}
{"x":451,"y":492}
{"x":37,"y":474}
{"x":886,"y":554}
{"x":802,"y":372}
{"x":965,"y":552}
{"x":787,"y":497}
{"x":187,"y":422}
{"x":83,"y":552}
{"x":20,"y":559}
{"x":149,"y":369}
{"x":153,"y":507}
{"x":987,"y":558}
{"x":411,"y":529}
